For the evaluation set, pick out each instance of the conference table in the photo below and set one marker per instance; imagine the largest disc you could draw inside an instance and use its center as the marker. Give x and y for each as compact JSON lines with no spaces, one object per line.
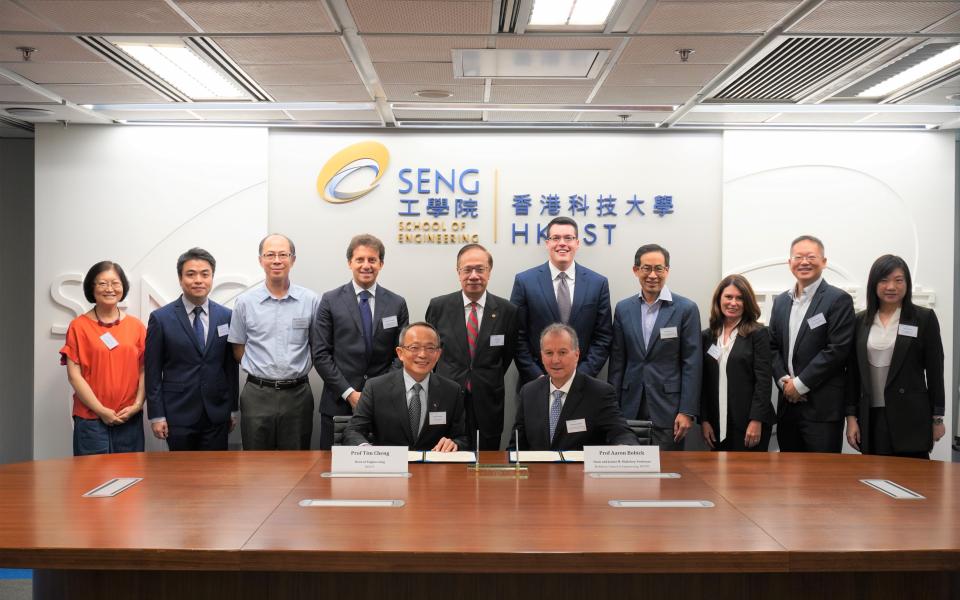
{"x":231,"y":525}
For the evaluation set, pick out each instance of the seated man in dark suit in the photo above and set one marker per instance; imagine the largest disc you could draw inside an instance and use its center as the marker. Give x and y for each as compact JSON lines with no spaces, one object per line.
{"x":568,"y":410}
{"x":411,"y":407}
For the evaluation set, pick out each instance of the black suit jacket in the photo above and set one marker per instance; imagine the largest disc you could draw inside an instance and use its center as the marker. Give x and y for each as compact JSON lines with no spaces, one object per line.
{"x":820,"y":354}
{"x":914,"y":390}
{"x":589,"y":399}
{"x":749,"y":377}
{"x":490,"y":363}
{"x":340,"y":355}
{"x":381,"y":416}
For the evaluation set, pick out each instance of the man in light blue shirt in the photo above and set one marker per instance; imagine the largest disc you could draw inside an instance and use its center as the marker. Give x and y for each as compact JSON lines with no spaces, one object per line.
{"x":270,"y":333}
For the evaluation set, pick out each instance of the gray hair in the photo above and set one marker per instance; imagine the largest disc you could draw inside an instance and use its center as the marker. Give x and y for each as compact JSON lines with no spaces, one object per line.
{"x":558,"y":328}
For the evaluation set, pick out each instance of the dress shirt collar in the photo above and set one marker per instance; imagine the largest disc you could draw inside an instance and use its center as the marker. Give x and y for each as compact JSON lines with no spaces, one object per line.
{"x":357,"y":289}
{"x":571,"y":271}
{"x":807,"y":292}
{"x":190,"y":305}
{"x":565,"y":388}
{"x":664,"y":296}
{"x":480,"y":303}
{"x":409,"y":381}
{"x":293,"y":292}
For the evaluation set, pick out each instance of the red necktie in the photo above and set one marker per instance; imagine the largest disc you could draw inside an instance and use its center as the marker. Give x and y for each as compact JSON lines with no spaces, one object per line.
{"x":473,"y":329}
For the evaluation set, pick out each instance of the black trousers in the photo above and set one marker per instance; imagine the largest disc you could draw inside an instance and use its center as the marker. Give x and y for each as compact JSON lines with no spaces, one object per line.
{"x":880,"y":441}
{"x":734,"y":440}
{"x":202,"y":435}
{"x":489,"y":439}
{"x":796,"y":434}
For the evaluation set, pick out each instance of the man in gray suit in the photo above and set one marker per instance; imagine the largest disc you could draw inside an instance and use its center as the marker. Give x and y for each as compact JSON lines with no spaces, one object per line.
{"x":656,"y":361}
{"x":356,"y":331}
{"x":411,"y":406}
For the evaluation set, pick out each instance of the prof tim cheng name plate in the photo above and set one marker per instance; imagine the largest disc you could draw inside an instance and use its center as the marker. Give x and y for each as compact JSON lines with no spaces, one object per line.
{"x":383,"y":461}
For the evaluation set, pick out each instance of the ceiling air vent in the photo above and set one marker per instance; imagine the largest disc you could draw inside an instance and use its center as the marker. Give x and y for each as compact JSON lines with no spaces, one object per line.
{"x":796,"y":66}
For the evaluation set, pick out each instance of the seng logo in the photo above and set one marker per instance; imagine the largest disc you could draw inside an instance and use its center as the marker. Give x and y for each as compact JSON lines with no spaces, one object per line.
{"x":361,"y":156}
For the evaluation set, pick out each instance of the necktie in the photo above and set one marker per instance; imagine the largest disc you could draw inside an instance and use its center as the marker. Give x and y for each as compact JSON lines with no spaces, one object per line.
{"x":366,"y":320}
{"x":473,"y":329}
{"x":198,"y":326}
{"x":563,"y":298}
{"x":413,"y":411}
{"x":555,"y":413}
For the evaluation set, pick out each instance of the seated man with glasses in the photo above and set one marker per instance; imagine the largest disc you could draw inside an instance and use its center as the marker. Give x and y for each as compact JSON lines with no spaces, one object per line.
{"x":413,"y":406}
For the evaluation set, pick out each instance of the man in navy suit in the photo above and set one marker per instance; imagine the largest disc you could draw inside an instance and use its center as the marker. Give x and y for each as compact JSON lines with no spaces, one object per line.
{"x":656,"y":361}
{"x":562,"y":291}
{"x":357,"y":331}
{"x":191,"y":374}
{"x":811,"y":334}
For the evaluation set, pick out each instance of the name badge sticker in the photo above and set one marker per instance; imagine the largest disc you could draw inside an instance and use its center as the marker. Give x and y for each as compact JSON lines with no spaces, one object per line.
{"x":300,"y":322}
{"x":667,"y":333}
{"x":907,"y":330}
{"x":816,"y":321}
{"x":496,"y":340}
{"x":438,"y":418}
{"x":109,"y":341}
{"x":714,"y":351}
{"x":389,"y":322}
{"x":223,"y":330}
{"x":576,"y":425}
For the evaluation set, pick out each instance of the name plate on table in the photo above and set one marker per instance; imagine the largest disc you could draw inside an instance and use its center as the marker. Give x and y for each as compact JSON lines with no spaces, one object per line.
{"x":369,"y":461}
{"x":621,"y":459}
{"x":113,"y":487}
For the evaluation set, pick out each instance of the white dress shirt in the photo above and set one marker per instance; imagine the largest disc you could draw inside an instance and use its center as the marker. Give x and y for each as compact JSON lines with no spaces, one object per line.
{"x":797,"y":311}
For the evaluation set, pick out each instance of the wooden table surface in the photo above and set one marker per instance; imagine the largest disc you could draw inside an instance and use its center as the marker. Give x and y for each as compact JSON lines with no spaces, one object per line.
{"x":238,"y":511}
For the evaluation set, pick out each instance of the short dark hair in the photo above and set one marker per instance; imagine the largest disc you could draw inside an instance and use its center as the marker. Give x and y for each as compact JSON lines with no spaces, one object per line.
{"x":807,"y":238}
{"x":553,"y":328}
{"x":882,"y":267}
{"x":563,"y":221}
{"x":102,"y":266}
{"x":751,"y":310}
{"x":469,"y":247}
{"x":196,"y":254}
{"x":293,"y":249}
{"x":406,"y":328}
{"x":370,"y":241}
{"x":647,"y":249}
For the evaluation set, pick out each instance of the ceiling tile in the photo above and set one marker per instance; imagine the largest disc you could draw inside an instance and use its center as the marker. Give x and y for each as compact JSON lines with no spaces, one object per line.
{"x":662,"y":50}
{"x":110,"y":16}
{"x":16,"y":93}
{"x":338,"y":73}
{"x":417,"y":72}
{"x":514,"y":94}
{"x":417,"y":48}
{"x":714,"y":16}
{"x":644,"y":95}
{"x":421,"y":16}
{"x":438,"y":115}
{"x":587,"y":83}
{"x":461,"y":93}
{"x":633,"y":117}
{"x":521,"y":116}
{"x":661,"y":75}
{"x":14,"y":18}
{"x":560,"y":43}
{"x":258,"y":16}
{"x":318,"y":93}
{"x":88,"y":72}
{"x":106,"y":94}
{"x":241,"y":115}
{"x":951,"y":25}
{"x":825,"y":118}
{"x":150,"y":115}
{"x":874,"y":16}
{"x":335,"y":115}
{"x":50,"y":48}
{"x":698,"y":117}
{"x":285,"y":50}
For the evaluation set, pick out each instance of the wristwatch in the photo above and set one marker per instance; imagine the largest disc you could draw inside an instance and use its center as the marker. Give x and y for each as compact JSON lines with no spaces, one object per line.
{"x":938,"y":420}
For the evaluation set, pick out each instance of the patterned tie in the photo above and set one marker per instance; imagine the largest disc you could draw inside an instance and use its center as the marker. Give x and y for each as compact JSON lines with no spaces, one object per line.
{"x":366,"y":320}
{"x":198,"y":326}
{"x":413,"y":411}
{"x":473,"y":329}
{"x":555,"y":408}
{"x":563,"y":298}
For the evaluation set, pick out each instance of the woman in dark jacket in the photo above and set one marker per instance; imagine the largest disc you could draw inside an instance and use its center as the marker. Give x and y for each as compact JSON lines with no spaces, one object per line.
{"x":735,"y":405}
{"x":895,"y":402}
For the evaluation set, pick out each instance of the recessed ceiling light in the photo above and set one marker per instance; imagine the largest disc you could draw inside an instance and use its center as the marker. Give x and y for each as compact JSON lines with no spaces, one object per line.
{"x":183,"y":68}
{"x":558,"y":13}
{"x":433,"y":94}
{"x":948,"y":58}
{"x":29,"y":113}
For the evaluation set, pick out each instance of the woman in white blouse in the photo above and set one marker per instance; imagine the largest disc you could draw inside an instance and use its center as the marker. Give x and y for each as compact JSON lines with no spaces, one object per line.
{"x":735,"y":408}
{"x":896,"y":399}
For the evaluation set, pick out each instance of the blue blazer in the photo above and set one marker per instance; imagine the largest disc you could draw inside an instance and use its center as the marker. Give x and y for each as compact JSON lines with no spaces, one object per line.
{"x":183,"y":379}
{"x":669,"y":371}
{"x":536,"y":304}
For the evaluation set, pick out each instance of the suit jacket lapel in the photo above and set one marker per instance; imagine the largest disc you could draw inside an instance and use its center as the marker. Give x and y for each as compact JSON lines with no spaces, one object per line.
{"x":861,"y":350}
{"x":350,"y":304}
{"x":211,"y":324}
{"x":900,"y":348}
{"x":458,"y":345}
{"x":549,"y":295}
{"x":636,"y":325}
{"x":486,"y":325}
{"x":181,"y":312}
{"x":811,"y":312}
{"x":579,"y":290}
{"x":663,"y":316}
{"x":570,"y":404}
{"x":399,"y":395}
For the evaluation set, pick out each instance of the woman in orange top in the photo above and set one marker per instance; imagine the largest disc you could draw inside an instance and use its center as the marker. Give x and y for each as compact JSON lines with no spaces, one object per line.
{"x":103,"y":354}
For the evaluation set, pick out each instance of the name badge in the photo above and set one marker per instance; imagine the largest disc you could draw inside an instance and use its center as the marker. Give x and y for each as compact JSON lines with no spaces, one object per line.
{"x":714,"y":351}
{"x":389,"y":322}
{"x":301,"y":322}
{"x":438,"y":418}
{"x":907,"y":330}
{"x":621,"y":459}
{"x":369,"y":459}
{"x":816,"y":320}
{"x":496,"y":340}
{"x":223,"y":329}
{"x":576,"y":425}
{"x":109,"y":341}
{"x":667,"y":333}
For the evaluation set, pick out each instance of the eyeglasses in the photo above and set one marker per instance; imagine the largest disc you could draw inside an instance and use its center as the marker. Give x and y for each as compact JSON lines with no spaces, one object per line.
{"x":276,"y":255}
{"x":805,"y":257}
{"x":106,"y":285}
{"x":419,"y":349}
{"x":478,"y":270}
{"x":658,"y":269}
{"x":561,"y":238}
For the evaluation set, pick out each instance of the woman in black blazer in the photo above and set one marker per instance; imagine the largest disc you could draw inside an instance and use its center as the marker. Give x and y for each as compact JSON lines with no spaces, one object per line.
{"x":739,"y":345}
{"x":896,"y":398}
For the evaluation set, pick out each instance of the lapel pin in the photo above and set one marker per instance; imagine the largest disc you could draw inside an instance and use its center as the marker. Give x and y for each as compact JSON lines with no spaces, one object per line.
{"x":493,"y":315}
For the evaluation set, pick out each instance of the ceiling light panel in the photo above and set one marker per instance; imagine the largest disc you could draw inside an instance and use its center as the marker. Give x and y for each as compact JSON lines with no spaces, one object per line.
{"x":574,"y":14}
{"x":184,"y":69}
